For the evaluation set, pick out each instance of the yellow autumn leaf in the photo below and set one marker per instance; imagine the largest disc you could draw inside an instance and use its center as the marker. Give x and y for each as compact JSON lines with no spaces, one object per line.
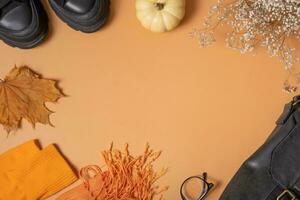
{"x":23,"y":94}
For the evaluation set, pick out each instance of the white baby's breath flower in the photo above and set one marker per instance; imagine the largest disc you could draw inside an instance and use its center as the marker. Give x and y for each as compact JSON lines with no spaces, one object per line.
{"x":273,"y":24}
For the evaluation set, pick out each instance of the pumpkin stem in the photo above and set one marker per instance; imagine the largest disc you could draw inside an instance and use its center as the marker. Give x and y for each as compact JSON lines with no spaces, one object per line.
{"x":159,"y":6}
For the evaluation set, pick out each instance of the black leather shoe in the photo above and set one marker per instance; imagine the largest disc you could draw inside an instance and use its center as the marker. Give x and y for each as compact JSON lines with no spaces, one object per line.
{"x":23,"y":23}
{"x":84,"y":15}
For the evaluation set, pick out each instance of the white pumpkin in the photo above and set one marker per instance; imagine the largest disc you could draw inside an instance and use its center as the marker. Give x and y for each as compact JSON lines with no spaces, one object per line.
{"x":160,"y":15}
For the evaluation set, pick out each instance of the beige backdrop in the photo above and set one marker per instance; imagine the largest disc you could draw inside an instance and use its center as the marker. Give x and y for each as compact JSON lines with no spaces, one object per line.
{"x":207,"y":109}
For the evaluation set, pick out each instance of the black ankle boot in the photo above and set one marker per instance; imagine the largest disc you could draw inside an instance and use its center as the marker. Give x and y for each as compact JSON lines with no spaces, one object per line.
{"x":83,"y":15}
{"x":23,"y":23}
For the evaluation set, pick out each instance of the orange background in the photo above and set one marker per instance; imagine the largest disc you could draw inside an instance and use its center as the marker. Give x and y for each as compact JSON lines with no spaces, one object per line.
{"x":207,"y":109}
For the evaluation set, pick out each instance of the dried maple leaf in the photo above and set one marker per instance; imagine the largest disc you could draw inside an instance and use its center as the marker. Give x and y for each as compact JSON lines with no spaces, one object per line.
{"x":23,"y":94}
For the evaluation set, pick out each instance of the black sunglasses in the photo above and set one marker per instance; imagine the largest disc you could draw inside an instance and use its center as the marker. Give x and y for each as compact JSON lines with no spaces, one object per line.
{"x":206,"y":186}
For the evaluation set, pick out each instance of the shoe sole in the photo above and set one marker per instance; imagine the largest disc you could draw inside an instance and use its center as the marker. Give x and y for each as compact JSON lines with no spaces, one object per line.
{"x":41,"y":33}
{"x":86,"y":29}
{"x":26,"y":45}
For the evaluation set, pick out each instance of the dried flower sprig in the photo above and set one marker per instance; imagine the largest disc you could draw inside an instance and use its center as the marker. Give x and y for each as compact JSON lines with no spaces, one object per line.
{"x":272,"y":24}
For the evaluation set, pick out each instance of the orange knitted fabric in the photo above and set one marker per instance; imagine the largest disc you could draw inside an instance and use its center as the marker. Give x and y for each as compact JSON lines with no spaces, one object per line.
{"x":29,"y":173}
{"x":126,"y":178}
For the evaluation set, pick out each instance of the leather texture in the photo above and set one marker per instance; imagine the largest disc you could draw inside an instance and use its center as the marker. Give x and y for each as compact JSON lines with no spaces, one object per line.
{"x":79,"y":6}
{"x":87,"y":16}
{"x":23,"y":23}
{"x":275,"y":166}
{"x":17,"y":18}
